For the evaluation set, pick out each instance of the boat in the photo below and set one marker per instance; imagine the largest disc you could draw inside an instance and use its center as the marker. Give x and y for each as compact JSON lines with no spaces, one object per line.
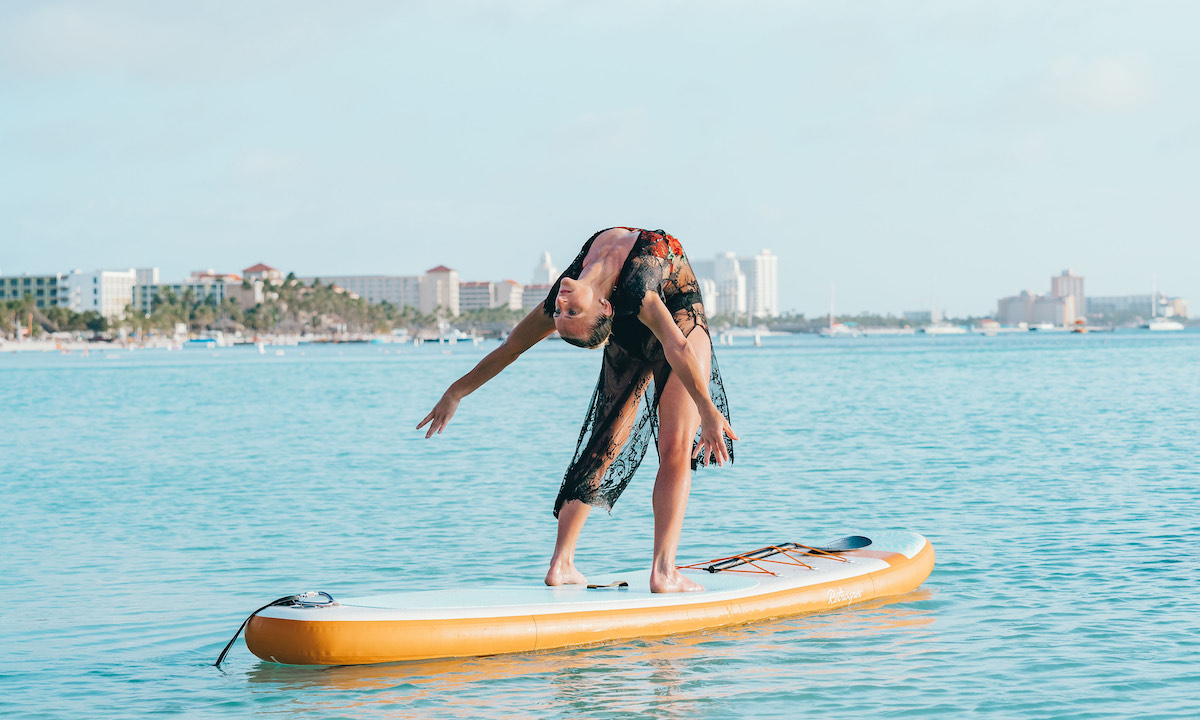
{"x":942,"y":327}
{"x":488,"y":619}
{"x":837,"y":329}
{"x":1161,"y":324}
{"x":1156,"y":323}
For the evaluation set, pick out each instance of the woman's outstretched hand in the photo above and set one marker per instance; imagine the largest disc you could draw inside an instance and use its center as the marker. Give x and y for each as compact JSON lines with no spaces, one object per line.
{"x":713,"y":429}
{"x":440,"y":415}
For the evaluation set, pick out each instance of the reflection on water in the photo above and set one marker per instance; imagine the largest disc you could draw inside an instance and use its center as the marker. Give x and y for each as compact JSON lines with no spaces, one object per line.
{"x":667,"y":675}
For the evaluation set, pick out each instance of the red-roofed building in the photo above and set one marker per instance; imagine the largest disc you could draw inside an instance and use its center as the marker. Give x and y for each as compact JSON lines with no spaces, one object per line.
{"x":263,"y":272}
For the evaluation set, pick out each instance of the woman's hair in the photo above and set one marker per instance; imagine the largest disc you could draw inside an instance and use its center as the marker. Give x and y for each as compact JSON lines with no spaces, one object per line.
{"x":598,"y":335}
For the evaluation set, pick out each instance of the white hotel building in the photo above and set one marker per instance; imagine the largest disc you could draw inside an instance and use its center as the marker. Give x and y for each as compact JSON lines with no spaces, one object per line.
{"x":746,"y":286}
{"x":438,"y":287}
{"x":107,"y":292}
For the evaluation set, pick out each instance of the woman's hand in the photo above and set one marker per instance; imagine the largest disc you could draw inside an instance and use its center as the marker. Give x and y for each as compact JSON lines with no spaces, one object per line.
{"x":713,"y":429}
{"x":440,"y":415}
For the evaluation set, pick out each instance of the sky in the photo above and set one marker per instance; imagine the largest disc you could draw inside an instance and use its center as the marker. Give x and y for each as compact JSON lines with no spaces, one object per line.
{"x":898,"y":151}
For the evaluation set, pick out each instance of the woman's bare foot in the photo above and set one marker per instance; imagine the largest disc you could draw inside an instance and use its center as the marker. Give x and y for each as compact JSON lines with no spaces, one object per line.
{"x":564,"y":574}
{"x":672,"y":581}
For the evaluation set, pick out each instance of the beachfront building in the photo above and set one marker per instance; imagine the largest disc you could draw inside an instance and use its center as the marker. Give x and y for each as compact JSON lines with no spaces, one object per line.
{"x":534,"y":295}
{"x":399,"y":290}
{"x":476,"y":296}
{"x":509,"y":294}
{"x":107,"y":292}
{"x":201,"y":286}
{"x":505,"y":294}
{"x":439,"y":289}
{"x":1034,"y":309}
{"x":544,"y":273}
{"x":1068,"y":284}
{"x":1063,"y":306}
{"x":46,"y":290}
{"x":1138,"y":305}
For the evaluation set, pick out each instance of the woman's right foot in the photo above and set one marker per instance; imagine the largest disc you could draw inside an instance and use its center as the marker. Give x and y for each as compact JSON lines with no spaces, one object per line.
{"x":564,"y":574}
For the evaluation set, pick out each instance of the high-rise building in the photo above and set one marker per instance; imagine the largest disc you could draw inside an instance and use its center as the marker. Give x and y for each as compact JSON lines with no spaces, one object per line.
{"x":544,"y":273}
{"x":1068,"y":284}
{"x":708,"y":292}
{"x":731,"y":285}
{"x":762,"y":284}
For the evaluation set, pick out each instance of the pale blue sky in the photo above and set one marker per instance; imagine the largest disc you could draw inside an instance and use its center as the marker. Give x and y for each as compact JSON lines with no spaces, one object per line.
{"x":882,"y":146}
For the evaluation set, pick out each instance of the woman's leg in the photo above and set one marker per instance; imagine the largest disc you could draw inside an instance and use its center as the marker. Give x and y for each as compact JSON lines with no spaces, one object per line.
{"x":678,"y":420}
{"x":571,"y":518}
{"x":610,"y":436}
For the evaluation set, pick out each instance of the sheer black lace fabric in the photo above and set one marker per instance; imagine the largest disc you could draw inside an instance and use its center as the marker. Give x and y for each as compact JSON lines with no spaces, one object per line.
{"x":622,"y":417}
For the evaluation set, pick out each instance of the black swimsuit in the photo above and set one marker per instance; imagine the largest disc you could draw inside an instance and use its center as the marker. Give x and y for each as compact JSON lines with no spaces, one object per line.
{"x":615,"y":433}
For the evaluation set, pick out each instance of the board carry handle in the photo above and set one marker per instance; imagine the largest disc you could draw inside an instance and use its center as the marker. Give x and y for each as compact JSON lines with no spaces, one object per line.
{"x":616,"y":585}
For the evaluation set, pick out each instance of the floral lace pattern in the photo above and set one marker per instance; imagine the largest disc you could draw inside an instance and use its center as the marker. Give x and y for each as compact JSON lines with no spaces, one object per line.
{"x":623,"y":414}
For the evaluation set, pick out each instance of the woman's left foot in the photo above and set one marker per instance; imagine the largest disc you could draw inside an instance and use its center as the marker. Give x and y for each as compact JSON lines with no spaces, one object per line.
{"x":672,"y":581}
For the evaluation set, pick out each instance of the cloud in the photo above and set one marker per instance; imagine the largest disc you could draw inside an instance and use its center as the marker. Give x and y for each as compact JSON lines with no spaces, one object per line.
{"x":1102,"y":84}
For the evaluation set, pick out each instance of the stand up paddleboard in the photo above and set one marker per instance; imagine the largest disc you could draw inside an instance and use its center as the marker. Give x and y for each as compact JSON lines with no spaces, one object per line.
{"x":777,"y":580}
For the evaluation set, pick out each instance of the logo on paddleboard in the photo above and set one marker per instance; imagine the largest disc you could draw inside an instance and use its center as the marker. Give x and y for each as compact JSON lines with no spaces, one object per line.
{"x":840,"y":596}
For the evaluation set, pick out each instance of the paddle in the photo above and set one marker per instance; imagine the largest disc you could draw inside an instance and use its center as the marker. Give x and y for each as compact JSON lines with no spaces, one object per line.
{"x":850,"y":542}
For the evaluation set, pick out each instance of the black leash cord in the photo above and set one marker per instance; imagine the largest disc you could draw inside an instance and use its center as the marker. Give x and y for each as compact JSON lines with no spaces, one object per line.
{"x":286,"y":600}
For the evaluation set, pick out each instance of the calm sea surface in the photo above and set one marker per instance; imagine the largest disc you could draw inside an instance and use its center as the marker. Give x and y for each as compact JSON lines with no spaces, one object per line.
{"x":152,"y":499}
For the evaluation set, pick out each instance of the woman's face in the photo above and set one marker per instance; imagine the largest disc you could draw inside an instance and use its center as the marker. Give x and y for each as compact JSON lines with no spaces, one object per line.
{"x":576,"y":309}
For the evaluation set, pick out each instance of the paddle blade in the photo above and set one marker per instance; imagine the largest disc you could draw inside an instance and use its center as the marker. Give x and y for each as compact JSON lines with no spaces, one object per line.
{"x":850,"y":542}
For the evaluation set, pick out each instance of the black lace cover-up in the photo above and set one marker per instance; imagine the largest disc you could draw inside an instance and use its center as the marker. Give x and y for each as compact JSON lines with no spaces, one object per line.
{"x":619,"y":425}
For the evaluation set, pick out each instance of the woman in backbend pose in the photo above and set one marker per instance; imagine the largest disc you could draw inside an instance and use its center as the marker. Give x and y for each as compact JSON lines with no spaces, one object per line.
{"x":636,"y":290}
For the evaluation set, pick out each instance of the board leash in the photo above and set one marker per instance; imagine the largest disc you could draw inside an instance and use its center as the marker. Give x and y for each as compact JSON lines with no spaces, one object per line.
{"x":301,"y":599}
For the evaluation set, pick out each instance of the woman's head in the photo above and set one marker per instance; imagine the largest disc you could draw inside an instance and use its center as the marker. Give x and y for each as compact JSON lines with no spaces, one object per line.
{"x":581,"y":316}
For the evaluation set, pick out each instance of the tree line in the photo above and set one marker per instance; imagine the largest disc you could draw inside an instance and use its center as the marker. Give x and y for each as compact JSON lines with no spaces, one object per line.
{"x":290,"y":306}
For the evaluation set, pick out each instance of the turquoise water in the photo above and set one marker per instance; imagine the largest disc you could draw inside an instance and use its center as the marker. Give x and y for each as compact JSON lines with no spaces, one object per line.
{"x":153,"y":499}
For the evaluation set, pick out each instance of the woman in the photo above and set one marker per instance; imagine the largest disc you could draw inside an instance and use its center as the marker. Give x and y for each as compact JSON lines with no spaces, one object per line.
{"x":634,"y":292}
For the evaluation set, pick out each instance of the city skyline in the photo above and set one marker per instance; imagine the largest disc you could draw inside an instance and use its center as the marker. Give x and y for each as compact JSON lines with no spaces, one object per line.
{"x":895,"y":152}
{"x":706,"y":272}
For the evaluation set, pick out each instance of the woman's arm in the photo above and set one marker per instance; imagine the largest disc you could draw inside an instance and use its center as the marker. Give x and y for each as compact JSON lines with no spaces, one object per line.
{"x":685,"y":364}
{"x":529,"y":332}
